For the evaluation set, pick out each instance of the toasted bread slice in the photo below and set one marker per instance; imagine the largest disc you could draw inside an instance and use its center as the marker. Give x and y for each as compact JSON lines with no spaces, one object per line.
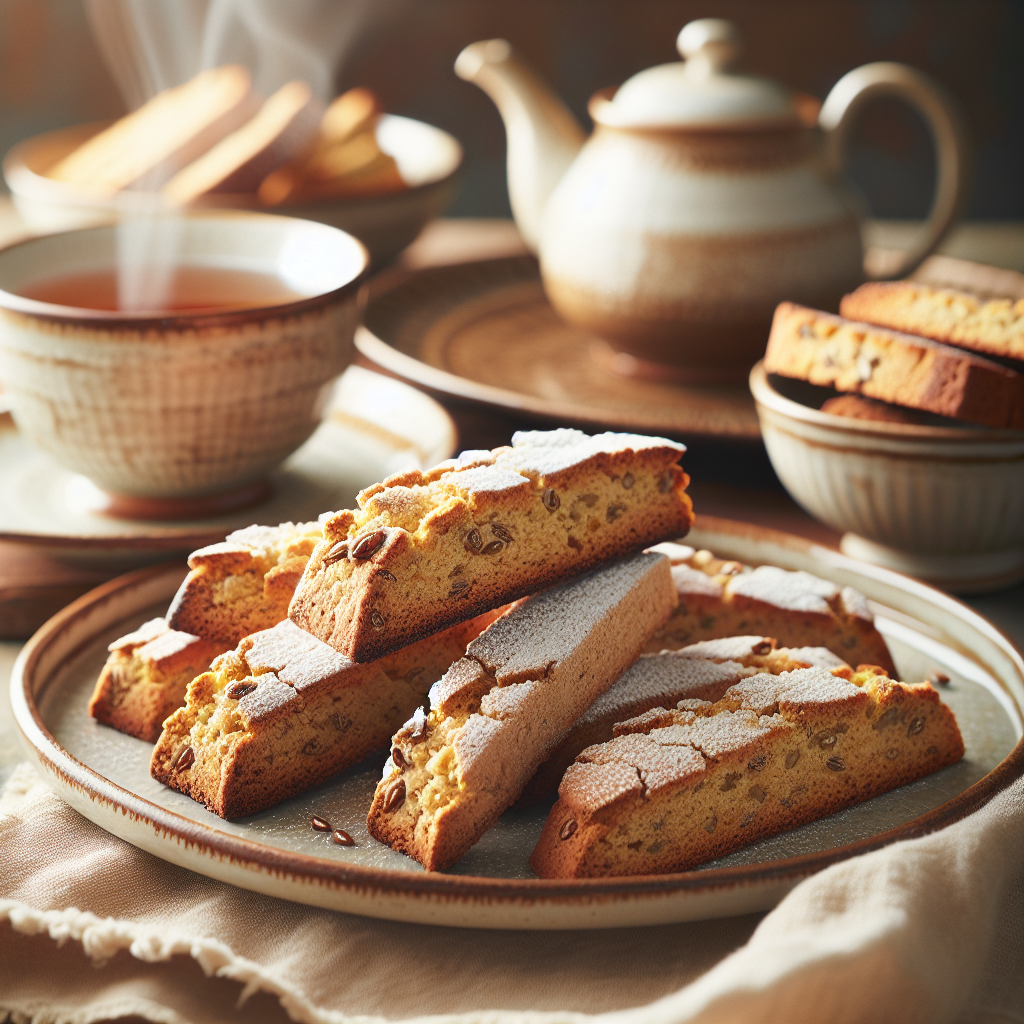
{"x":147,"y":147}
{"x":426,"y":549}
{"x":994,"y":327}
{"x":722,"y":598}
{"x":675,"y":788}
{"x":284,"y":126}
{"x":500,"y":711}
{"x":881,"y":363}
{"x":146,"y":675}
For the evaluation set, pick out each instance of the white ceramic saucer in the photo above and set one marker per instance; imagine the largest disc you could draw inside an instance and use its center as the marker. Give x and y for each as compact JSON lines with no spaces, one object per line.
{"x":374,"y":426}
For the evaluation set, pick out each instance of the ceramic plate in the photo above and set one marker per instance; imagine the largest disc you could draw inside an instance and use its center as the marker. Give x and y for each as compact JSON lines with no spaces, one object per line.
{"x":105,"y":776}
{"x":374,"y":426}
{"x":484,"y":331}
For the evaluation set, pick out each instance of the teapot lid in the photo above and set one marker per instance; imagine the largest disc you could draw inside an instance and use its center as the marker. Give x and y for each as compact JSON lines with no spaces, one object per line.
{"x":699,"y":92}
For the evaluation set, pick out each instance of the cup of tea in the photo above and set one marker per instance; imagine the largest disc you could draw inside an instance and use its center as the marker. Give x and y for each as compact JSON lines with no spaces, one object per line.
{"x":176,"y":361}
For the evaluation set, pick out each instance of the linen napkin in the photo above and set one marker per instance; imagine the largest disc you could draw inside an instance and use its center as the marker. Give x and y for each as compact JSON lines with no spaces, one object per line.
{"x":91,"y":928}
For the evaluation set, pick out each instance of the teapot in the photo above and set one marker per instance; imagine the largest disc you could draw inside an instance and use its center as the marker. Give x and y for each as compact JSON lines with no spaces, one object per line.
{"x":702,"y":199}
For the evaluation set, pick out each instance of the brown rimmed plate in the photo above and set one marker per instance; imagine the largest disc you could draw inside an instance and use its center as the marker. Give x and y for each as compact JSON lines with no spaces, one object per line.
{"x":484,"y":332}
{"x":104,"y":775}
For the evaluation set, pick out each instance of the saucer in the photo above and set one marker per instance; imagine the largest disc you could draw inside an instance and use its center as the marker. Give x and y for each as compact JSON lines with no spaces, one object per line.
{"x":373,"y":426}
{"x":485,"y":332}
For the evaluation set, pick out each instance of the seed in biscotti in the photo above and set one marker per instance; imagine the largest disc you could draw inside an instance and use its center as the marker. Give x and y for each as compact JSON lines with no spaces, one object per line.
{"x":337,"y":553}
{"x":757,"y":793}
{"x":377,"y":620}
{"x":366,"y":545}
{"x":459,"y":589}
{"x":492,"y":548}
{"x":185,"y":760}
{"x":627,"y":481}
{"x":550,"y":499}
{"x":395,"y":796}
{"x":791,"y":758}
{"x":756,"y":764}
{"x":320,"y":824}
{"x":613,"y":512}
{"x":568,"y":829}
{"x":399,"y":758}
{"x":665,"y":482}
{"x":915,"y":727}
{"x":826,"y":740}
{"x":836,"y":764}
{"x":236,"y":691}
{"x":729,"y":782}
{"x":385,"y":575}
{"x":342,"y":838}
{"x":710,"y":824}
{"x":474,"y":542}
{"x":892,"y":753}
{"x":501,"y":533}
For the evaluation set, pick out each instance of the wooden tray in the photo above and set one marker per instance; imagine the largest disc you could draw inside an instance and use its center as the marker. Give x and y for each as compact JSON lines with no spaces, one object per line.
{"x":484,"y":332}
{"x":104,"y":775}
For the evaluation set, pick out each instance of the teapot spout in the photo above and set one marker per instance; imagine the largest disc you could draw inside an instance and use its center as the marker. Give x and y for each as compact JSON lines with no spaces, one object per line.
{"x":543,"y":136}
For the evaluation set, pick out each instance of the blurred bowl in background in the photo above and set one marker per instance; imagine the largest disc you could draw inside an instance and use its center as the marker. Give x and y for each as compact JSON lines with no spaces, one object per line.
{"x":427,"y":157}
{"x":945,"y":504}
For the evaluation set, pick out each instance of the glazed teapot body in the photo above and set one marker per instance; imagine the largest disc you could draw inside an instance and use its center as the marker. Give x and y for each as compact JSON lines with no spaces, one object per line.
{"x":700,"y":201}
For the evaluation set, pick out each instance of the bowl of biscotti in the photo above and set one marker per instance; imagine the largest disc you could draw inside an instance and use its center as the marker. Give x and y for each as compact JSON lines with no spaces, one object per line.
{"x":508,"y":626}
{"x":901,"y":423}
{"x":215,"y":142}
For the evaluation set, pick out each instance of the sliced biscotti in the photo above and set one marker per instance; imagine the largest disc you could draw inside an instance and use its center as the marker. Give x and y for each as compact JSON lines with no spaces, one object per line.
{"x":724,"y":598}
{"x":146,"y":675}
{"x":284,"y":712}
{"x":676,"y":788}
{"x":428,"y":549}
{"x":243,"y":584}
{"x":501,"y":710}
{"x":701,"y":672}
{"x":893,"y":367}
{"x":992,"y":326}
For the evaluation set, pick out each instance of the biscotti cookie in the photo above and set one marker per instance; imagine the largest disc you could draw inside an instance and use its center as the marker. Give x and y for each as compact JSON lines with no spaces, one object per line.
{"x":719,"y":598}
{"x":901,"y":368}
{"x":676,"y":788}
{"x":857,"y":407}
{"x":284,"y":712}
{"x":500,"y":711}
{"x":428,"y":549}
{"x":701,"y":672}
{"x":146,"y":675}
{"x":243,"y":584}
{"x":992,"y":326}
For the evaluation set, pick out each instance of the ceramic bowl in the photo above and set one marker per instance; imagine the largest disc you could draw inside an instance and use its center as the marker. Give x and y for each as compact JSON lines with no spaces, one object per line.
{"x":187,"y":406}
{"x":942,"y":503}
{"x":428,"y":158}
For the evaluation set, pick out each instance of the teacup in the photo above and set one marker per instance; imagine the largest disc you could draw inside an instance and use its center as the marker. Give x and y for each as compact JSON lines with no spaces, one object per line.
{"x":181,"y":410}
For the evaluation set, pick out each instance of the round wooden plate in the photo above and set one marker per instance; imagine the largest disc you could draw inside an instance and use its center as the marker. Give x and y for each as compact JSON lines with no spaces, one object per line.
{"x":105,"y":776}
{"x":485,"y":332}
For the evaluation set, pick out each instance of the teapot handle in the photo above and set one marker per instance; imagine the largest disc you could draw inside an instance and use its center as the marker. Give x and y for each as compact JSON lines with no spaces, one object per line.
{"x":953,"y":151}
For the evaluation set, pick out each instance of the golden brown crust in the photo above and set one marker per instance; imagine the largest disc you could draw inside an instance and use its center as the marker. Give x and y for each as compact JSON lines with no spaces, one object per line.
{"x":284,"y":712}
{"x":893,"y":367}
{"x":857,"y":407}
{"x":243,"y":585}
{"x":499,"y":712}
{"x":719,"y":598}
{"x":145,"y":677}
{"x":675,"y":788}
{"x":991,"y":326}
{"x":427,"y":549}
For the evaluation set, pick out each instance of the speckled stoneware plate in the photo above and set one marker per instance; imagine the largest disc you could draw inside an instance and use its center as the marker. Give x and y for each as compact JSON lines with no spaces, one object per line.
{"x":485,"y":332}
{"x":373,"y":426}
{"x":105,"y":775}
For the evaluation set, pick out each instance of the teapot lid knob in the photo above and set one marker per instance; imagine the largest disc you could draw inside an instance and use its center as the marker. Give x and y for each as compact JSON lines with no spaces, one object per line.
{"x":709,"y":45}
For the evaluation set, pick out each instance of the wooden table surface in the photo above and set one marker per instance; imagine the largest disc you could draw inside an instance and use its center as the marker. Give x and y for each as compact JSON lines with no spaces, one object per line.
{"x":33,"y":587}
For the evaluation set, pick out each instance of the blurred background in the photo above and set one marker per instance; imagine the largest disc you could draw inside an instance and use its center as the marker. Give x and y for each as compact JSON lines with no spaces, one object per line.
{"x":53,"y":74}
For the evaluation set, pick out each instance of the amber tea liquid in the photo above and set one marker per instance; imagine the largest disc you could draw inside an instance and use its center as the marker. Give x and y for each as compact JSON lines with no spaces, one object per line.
{"x":184,"y":290}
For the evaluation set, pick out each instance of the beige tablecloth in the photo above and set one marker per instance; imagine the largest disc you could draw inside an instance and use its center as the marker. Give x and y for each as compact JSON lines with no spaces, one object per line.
{"x":930,"y":930}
